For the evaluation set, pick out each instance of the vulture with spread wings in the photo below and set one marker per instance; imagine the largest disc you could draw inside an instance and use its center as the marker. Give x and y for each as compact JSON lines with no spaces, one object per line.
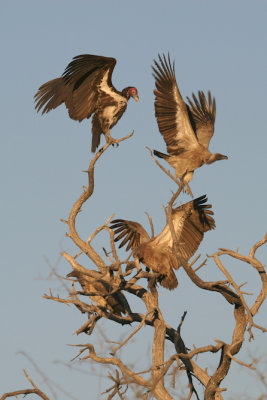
{"x":86,"y":89}
{"x":186,"y":129}
{"x":115,"y":303}
{"x":190,"y":222}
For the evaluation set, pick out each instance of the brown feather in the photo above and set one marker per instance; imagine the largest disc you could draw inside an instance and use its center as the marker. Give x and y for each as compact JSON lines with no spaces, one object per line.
{"x":190,"y":221}
{"x":186,"y":130}
{"x":86,"y":89}
{"x":116,"y":303}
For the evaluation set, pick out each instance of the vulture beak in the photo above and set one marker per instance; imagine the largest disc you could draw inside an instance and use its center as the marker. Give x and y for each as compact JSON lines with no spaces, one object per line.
{"x":222,"y":157}
{"x":136,"y":98}
{"x":216,"y":157}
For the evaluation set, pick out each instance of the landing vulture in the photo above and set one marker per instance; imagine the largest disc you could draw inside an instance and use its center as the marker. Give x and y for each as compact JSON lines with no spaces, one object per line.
{"x":115,"y":303}
{"x":186,"y":129}
{"x":86,"y":89}
{"x":190,"y":221}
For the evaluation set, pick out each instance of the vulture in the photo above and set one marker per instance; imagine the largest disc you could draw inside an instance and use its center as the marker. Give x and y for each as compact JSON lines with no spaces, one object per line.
{"x":186,"y":129}
{"x":86,"y":89}
{"x":115,"y":303}
{"x":190,"y":222}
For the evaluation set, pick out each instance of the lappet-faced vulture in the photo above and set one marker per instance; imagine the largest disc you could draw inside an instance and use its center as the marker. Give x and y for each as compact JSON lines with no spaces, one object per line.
{"x":190,"y":222}
{"x":86,"y":89}
{"x":186,"y":129}
{"x":115,"y":303}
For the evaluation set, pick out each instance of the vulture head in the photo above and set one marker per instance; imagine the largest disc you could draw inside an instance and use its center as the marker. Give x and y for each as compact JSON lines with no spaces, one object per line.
{"x":130,"y":91}
{"x":215,"y":157}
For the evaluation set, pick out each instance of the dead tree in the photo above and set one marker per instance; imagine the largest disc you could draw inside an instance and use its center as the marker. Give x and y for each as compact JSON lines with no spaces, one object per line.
{"x":102,"y":293}
{"x":104,"y":288}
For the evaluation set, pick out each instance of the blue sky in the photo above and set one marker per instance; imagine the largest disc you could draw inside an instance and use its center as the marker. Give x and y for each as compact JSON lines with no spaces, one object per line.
{"x":217,"y":46}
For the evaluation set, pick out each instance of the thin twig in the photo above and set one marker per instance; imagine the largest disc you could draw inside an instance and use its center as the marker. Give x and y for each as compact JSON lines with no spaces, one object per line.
{"x":132,"y":334}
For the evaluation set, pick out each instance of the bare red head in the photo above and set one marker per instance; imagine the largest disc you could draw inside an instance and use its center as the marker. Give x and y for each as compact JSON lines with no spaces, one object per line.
{"x":130,"y":91}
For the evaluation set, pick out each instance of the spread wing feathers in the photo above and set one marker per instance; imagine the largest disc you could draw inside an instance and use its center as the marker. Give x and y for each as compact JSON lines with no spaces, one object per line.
{"x":83,"y":80}
{"x":132,"y":233}
{"x":116,"y":303}
{"x":198,"y":222}
{"x":51,"y":94}
{"x":89,"y":76}
{"x":86,"y":67}
{"x":202,"y":114}
{"x":170,"y":109}
{"x":190,"y":222}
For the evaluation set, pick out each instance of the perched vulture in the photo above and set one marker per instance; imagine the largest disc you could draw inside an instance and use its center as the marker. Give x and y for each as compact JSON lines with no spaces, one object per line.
{"x":186,"y":129}
{"x":115,"y":303}
{"x":190,"y":222}
{"x":86,"y":89}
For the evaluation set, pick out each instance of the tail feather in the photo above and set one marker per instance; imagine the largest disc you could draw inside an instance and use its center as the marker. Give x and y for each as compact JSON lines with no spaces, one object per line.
{"x":96,"y":133}
{"x":169,"y":281}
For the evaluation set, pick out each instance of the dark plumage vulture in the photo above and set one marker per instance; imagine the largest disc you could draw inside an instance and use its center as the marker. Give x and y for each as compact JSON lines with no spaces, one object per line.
{"x":115,"y":303}
{"x":86,"y":89}
{"x":186,"y":129}
{"x":190,"y":221}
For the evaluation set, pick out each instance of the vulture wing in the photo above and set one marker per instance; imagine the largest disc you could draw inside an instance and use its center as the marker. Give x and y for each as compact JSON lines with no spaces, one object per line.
{"x":90,"y":76}
{"x":190,"y":222}
{"x":198,"y":222}
{"x":170,"y":109}
{"x":51,"y":94}
{"x":202,"y":114}
{"x":131,"y":232}
{"x":85,"y":79}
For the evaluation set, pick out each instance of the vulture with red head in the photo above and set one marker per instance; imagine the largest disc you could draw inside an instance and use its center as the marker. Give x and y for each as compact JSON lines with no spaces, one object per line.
{"x":186,"y":129}
{"x":190,"y":222}
{"x":86,"y":89}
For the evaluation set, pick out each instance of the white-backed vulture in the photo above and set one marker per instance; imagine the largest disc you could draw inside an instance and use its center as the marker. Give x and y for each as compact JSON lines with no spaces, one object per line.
{"x":190,"y":222}
{"x":115,"y":303}
{"x":186,"y":129}
{"x":86,"y":89}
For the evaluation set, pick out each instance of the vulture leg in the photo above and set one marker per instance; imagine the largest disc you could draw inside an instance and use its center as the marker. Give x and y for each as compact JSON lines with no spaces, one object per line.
{"x":110,"y":139}
{"x":186,"y":177}
{"x":188,"y":190}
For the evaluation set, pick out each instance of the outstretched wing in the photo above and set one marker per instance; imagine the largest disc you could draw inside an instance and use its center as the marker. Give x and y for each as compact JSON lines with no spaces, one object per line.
{"x":89,"y":76}
{"x":198,"y":222}
{"x":170,"y":109}
{"x":51,"y":94}
{"x":202,"y":114}
{"x":86,"y":78}
{"x":131,"y":233}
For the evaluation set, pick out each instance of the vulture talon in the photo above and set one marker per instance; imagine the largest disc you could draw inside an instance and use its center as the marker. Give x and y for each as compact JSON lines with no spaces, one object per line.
{"x":111,"y":140}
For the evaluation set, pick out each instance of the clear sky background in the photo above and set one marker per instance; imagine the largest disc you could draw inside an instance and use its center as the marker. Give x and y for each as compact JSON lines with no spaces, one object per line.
{"x":219,"y":46}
